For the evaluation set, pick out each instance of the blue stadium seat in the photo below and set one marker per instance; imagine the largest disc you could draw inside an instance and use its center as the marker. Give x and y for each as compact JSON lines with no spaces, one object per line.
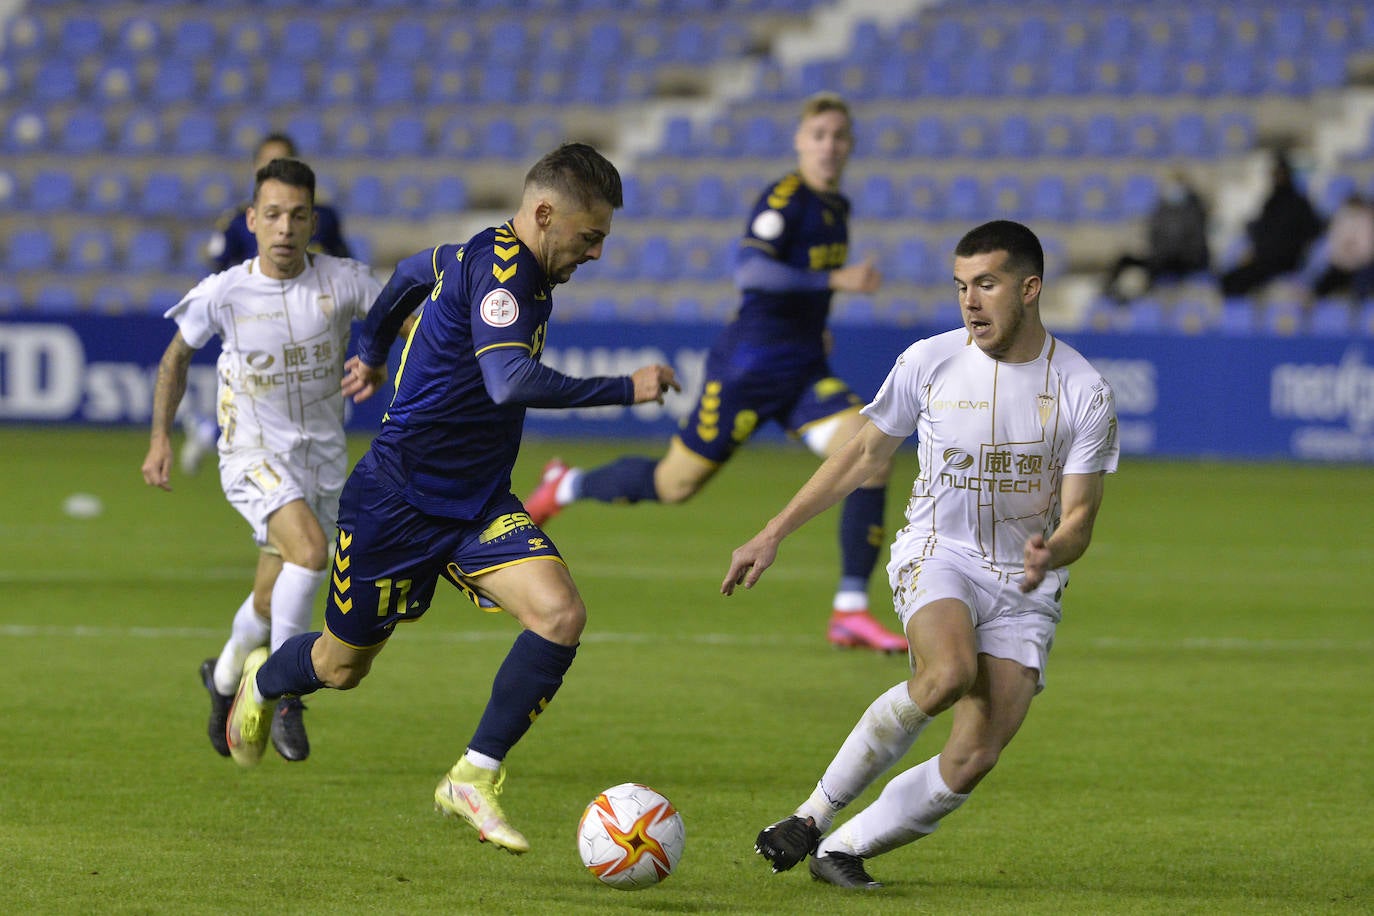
{"x":1059,"y":136}
{"x":212,"y":193}
{"x":158,"y":298}
{"x":9,"y":190}
{"x":149,"y":250}
{"x":1101,"y":135}
{"x":1237,"y":317}
{"x":448,"y":194}
{"x":194,"y":37}
{"x":108,"y":191}
{"x":910,"y":260}
{"x":658,"y":259}
{"x":1332,"y":317}
{"x":450,"y":84}
{"x":964,"y":200}
{"x":668,"y":197}
{"x":405,"y":135}
{"x":458,"y":137}
{"x":1285,"y":75}
{"x":341,"y":84}
{"x":175,"y":80}
{"x":1190,"y":136}
{"x":972,"y":136}
{"x":1049,"y":198}
{"x":307,"y":128}
{"x":1017,"y":136}
{"x":930,"y":137}
{"x":393,"y":82}
{"x":30,"y":249}
{"x":248,"y":38}
{"x":56,"y":299}
{"x":53,"y":191}
{"x":761,"y":136}
{"x":231,"y":82}
{"x":140,"y":134}
{"x":80,"y":36}
{"x":89,"y":250}
{"x":543,"y":134}
{"x":26,"y":35}
{"x":57,"y":80}
{"x":878,"y":197}
{"x":355,"y":134}
{"x":1096,"y":199}
{"x":83,"y":132}
{"x":197,"y":133}
{"x":140,"y":36}
{"x":285,"y":82}
{"x":1198,"y":75}
{"x":115,"y":82}
{"x":1156,"y":72}
{"x":1006,"y":197}
{"x":713,"y":197}
{"x":1139,"y":191}
{"x":303,"y":38}
{"x":368,"y":195}
{"x":163,"y":194}
{"x":1235,"y":132}
{"x":406,"y":38}
{"x":191,"y":253}
{"x":1143,"y":135}
{"x":246,"y":131}
{"x":721,"y":138}
{"x":501,"y":139}
{"x":410,"y":197}
{"x":704,"y":258}
{"x":922,"y":198}
{"x":885,"y":136}
{"x":112,"y":299}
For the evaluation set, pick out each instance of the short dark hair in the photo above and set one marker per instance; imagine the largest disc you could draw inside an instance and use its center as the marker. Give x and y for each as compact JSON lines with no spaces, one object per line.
{"x":1024,"y":255}
{"x":277,"y":137}
{"x":580,"y":173}
{"x":290,"y":172}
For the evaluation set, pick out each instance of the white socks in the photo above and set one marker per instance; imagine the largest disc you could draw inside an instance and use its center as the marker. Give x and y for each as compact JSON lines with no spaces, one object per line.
{"x":293,"y":601}
{"x":882,"y":736}
{"x":909,"y":808}
{"x":851,"y":602}
{"x":248,"y":632}
{"x":566,"y":491}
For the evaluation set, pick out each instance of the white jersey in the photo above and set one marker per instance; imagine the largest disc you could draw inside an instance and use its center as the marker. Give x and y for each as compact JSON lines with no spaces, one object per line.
{"x":994,"y":440}
{"x":283,"y":346}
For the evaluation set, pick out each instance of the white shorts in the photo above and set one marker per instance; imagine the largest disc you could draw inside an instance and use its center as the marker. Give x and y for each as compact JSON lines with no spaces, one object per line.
{"x":258,"y":483}
{"x":1006,"y":622}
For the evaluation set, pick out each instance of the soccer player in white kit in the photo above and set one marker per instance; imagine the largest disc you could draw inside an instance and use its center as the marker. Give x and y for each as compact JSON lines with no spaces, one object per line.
{"x":284,"y":320}
{"x":1015,"y":433}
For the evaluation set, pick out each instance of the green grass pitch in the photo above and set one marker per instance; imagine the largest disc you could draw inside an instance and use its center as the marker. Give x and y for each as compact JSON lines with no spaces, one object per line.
{"x":1203,"y":745}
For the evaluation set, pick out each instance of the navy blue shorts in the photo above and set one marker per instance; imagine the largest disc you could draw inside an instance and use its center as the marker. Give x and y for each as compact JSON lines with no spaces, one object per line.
{"x":736,"y":399}
{"x":389,"y":556}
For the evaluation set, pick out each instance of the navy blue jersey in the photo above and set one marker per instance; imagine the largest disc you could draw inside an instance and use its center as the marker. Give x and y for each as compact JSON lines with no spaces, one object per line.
{"x":233,"y":243}
{"x":448,"y":440}
{"x":807,"y":231}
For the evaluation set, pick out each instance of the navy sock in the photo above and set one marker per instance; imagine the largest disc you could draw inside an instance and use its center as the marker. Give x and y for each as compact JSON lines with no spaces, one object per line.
{"x":861,"y":533}
{"x":289,"y":669}
{"x":625,"y":480}
{"x":525,"y":683}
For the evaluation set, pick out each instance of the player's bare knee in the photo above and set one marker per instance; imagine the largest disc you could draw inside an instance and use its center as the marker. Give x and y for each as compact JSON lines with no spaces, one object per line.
{"x":939,"y":686}
{"x":343,"y":676}
{"x":676,"y":492}
{"x":561,"y":621}
{"x":969,"y":766}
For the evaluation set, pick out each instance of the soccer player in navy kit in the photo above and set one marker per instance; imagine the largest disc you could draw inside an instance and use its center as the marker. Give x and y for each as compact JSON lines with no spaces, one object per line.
{"x":432,"y":496}
{"x":771,"y":363}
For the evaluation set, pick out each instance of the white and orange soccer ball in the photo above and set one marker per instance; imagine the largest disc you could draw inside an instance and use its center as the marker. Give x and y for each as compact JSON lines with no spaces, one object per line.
{"x":630,"y":837}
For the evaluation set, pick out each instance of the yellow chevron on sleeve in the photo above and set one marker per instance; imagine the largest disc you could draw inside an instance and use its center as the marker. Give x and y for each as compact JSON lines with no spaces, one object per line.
{"x":502,"y":275}
{"x":506,"y":252}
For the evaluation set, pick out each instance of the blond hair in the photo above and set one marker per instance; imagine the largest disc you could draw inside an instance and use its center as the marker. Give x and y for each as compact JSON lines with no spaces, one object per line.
{"x":821,"y":102}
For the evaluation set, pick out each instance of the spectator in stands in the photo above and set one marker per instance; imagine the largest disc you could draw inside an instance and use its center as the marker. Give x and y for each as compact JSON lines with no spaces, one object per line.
{"x":771,"y":364}
{"x":1176,"y":242}
{"x":233,"y":243}
{"x":1278,"y":237}
{"x":1350,"y":251}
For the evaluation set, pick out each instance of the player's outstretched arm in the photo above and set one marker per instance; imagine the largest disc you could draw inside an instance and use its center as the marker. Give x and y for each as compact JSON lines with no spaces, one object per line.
{"x":1082,"y":497}
{"x":863,"y":277}
{"x":860,"y":458}
{"x":652,"y":383}
{"x":360,"y":380}
{"x":167,"y":395}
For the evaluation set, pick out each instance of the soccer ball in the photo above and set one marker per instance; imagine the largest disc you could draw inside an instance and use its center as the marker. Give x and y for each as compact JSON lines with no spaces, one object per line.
{"x":630,"y":837}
